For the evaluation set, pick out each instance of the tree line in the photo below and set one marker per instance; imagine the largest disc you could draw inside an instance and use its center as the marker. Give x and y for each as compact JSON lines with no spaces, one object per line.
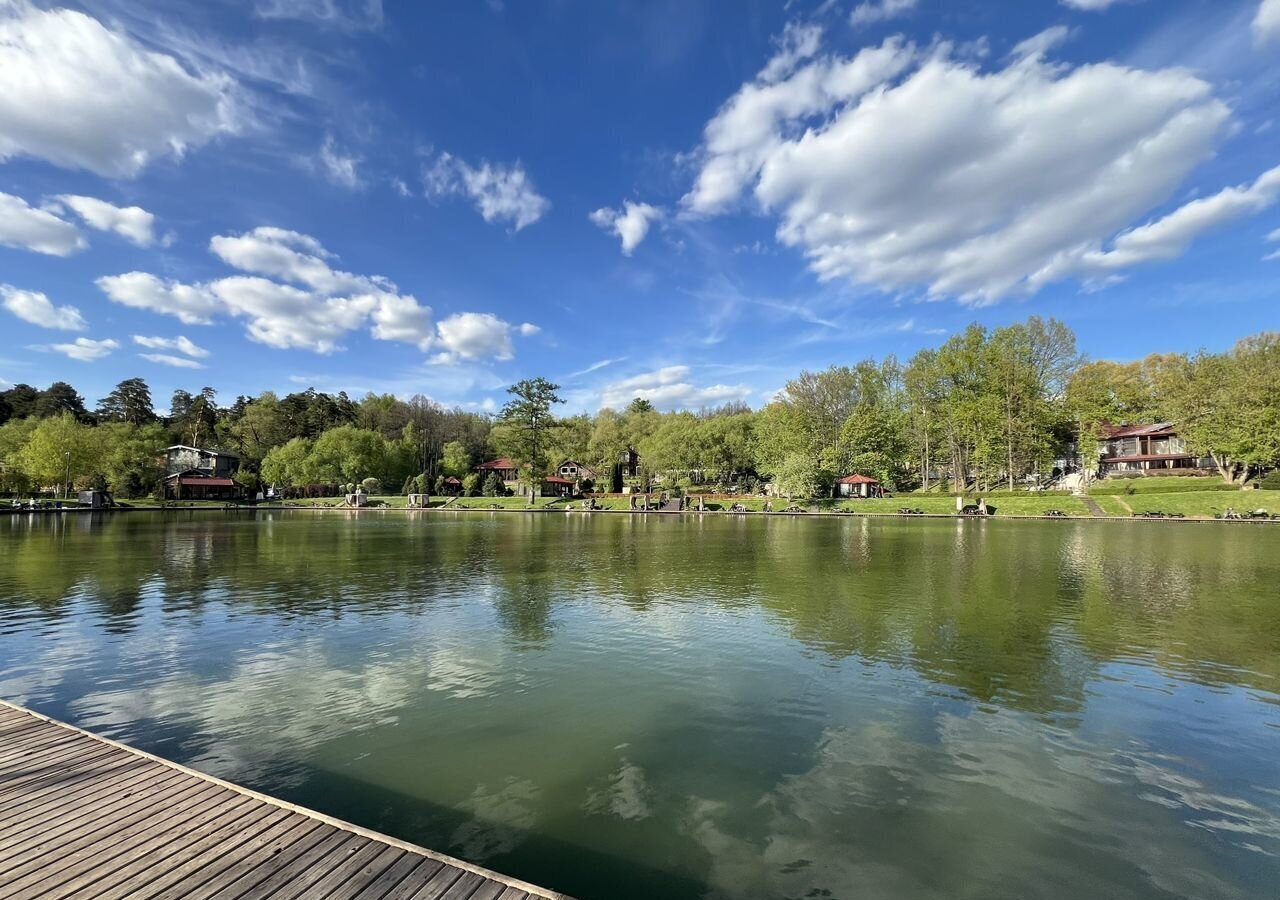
{"x":989,"y":408}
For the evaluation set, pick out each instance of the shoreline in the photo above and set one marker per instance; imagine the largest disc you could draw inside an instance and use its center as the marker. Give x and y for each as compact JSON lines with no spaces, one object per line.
{"x":679,"y":514}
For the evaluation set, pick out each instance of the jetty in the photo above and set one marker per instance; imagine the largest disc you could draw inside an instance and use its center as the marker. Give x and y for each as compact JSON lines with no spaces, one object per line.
{"x":85,"y":817}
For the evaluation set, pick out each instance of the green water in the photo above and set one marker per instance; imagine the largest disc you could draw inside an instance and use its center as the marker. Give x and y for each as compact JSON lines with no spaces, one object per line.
{"x":619,"y":706}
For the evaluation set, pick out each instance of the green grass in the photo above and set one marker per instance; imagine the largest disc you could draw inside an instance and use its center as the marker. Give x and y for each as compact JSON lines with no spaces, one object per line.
{"x":503,"y":502}
{"x":1159,"y":484}
{"x":1203,"y":503}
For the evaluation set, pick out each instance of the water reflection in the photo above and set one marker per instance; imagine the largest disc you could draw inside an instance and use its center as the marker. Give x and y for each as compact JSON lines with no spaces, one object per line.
{"x":627,"y":706}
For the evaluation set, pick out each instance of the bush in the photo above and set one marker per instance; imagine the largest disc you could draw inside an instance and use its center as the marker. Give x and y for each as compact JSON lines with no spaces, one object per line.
{"x":493,"y":486}
{"x":371,"y":486}
{"x":1271,"y":481}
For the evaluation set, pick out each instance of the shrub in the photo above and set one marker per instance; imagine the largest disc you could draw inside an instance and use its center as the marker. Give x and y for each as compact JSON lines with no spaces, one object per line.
{"x":371,"y":486}
{"x":1271,"y":481}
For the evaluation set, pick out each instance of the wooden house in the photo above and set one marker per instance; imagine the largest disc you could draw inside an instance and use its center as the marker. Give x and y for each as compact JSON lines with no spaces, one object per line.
{"x":217,"y":463}
{"x":1145,"y":448}
{"x":506,"y":469}
{"x":858,"y":486}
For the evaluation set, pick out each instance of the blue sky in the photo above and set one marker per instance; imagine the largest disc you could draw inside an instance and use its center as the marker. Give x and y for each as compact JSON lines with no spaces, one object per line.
{"x":679,"y":200}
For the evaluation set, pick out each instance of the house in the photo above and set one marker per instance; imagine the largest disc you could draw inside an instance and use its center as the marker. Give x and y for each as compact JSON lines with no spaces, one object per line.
{"x":630,"y":463}
{"x":555,"y":486}
{"x":452,"y":486}
{"x":858,"y":486}
{"x":194,"y":484}
{"x":183,"y":458}
{"x":576,"y":472}
{"x":506,"y":468}
{"x":1145,"y":448}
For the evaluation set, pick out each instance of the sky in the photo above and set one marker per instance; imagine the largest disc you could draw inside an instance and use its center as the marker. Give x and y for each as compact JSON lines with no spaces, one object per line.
{"x":684,"y":201}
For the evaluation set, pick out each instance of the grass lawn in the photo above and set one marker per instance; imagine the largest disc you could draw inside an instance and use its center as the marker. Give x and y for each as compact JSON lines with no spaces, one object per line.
{"x":1022,"y":505}
{"x":1158,"y":484}
{"x":503,"y":502}
{"x":1196,"y":503}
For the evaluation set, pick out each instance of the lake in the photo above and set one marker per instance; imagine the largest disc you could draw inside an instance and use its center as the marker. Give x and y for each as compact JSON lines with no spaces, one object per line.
{"x":621,"y":706}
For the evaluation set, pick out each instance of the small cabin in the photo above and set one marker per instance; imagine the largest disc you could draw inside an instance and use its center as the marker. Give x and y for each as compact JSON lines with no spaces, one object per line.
{"x":555,"y":486}
{"x":452,"y":486}
{"x":863,"y":486}
{"x":194,"y":484}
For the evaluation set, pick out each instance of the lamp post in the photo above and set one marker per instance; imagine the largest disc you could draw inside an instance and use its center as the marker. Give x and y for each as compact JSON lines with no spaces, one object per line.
{"x":66,"y":485}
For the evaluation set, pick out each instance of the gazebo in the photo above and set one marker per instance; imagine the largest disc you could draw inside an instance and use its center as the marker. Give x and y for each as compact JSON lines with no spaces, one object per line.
{"x":858,"y":486}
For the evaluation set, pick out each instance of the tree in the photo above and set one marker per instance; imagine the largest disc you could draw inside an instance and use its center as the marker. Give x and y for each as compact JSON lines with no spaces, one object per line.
{"x":640,"y":405}
{"x":607,"y":444}
{"x":796,"y":476}
{"x":286,"y":465}
{"x":456,"y":461}
{"x":528,"y":416}
{"x":493,"y":486}
{"x":132,"y":457}
{"x":255,"y":427}
{"x":346,"y":454}
{"x":21,"y":400}
{"x":57,"y":451}
{"x":59,"y":398}
{"x":130,"y":402}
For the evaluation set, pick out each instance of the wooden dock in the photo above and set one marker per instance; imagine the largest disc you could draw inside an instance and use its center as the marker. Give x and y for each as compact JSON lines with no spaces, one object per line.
{"x":86,"y":817}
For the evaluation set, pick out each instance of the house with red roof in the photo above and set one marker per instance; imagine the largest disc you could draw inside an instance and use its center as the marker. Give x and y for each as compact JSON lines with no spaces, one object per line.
{"x":858,"y":486}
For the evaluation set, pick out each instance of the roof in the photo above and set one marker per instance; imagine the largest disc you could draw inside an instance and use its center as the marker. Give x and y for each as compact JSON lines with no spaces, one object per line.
{"x":857,"y":479}
{"x":200,"y":450}
{"x":556,"y":479}
{"x":453,"y":479}
{"x":1120,"y":431}
{"x":501,"y":462}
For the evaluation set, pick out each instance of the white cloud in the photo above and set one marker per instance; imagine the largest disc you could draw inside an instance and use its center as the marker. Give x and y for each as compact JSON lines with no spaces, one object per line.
{"x":192,"y":304}
{"x":1168,"y":237}
{"x":85,"y":349}
{"x":749,"y":128}
{"x":472,"y":335}
{"x":36,"y":308}
{"x":180,"y":344}
{"x":165,"y":359}
{"x":631,"y":223}
{"x":284,"y":316}
{"x":82,"y":96}
{"x":1040,"y":44}
{"x":339,"y":168}
{"x":1266,"y":24}
{"x":28,"y":228}
{"x":920,"y":170}
{"x":500,"y":193}
{"x":669,"y":388}
{"x":347,"y":15}
{"x":528,"y":329}
{"x":133,"y":223}
{"x":880,"y":10}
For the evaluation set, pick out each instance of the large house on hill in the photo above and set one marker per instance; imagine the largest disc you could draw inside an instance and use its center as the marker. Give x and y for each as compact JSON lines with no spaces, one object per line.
{"x":198,"y":474}
{"x":1145,"y":448}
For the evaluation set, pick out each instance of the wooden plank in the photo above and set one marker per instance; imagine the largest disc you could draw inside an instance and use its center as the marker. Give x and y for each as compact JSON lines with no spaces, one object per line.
{"x":210,"y":881}
{"x":95,"y":854}
{"x":87,"y":818}
{"x":464,"y":887}
{"x":413,"y":882}
{"x":142,"y":870}
{"x":99,"y":868}
{"x":437,"y":885}
{"x":363,"y":866}
{"x":263,"y":883}
{"x":397,"y":872}
{"x":15,"y":807}
{"x":220,"y":845}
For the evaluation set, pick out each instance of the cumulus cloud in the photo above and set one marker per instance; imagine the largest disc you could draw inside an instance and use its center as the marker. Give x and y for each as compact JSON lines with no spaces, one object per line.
{"x":340,"y":168}
{"x":192,"y":304}
{"x":880,"y":10}
{"x":669,"y":388}
{"x":80,"y":95}
{"x":180,"y":344}
{"x":166,"y":359}
{"x":291,"y":295}
{"x":1266,"y":24}
{"x":38,"y":309}
{"x":40,"y":230}
{"x":1042,"y":43}
{"x":84,"y":349}
{"x":472,"y":335}
{"x":133,"y":223}
{"x":347,"y":15}
{"x":1090,"y":5}
{"x":630,"y":224}
{"x":901,"y":169}
{"x":528,"y":329}
{"x":500,"y":193}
